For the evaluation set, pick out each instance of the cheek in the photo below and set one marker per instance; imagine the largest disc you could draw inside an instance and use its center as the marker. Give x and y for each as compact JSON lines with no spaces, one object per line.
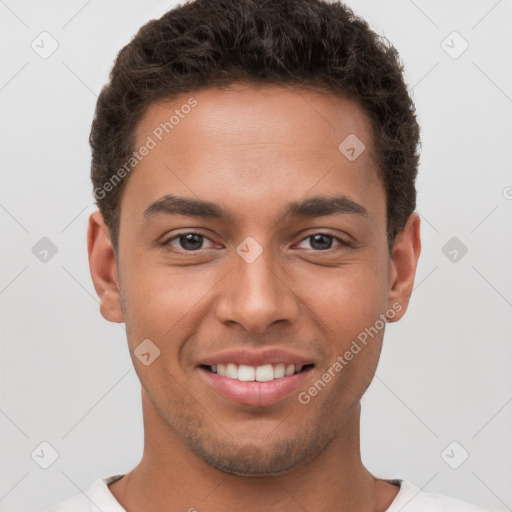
{"x":356,"y":332}
{"x":159,"y":298}
{"x":348,"y":306}
{"x":348,"y":298}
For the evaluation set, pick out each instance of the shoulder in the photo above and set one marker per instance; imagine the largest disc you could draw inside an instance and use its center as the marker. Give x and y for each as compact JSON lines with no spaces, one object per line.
{"x":98,"y":497}
{"x":412,"y":499}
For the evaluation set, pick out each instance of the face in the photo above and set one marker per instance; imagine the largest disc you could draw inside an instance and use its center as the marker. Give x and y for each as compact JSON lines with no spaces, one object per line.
{"x":280,"y":263}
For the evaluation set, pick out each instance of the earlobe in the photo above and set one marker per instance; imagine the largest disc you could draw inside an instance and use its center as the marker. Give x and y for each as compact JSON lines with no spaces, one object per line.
{"x":102,"y":265}
{"x":404,"y":261}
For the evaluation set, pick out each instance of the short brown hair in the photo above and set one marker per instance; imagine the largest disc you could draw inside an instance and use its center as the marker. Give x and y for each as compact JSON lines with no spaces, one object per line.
{"x":299,"y":43}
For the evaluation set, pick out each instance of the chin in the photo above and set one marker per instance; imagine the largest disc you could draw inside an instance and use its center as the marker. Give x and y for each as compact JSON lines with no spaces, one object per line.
{"x":252,"y":460}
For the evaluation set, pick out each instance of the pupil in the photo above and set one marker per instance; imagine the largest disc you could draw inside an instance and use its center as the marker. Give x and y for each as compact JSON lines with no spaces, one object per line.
{"x":191,"y":241}
{"x":321,"y":239}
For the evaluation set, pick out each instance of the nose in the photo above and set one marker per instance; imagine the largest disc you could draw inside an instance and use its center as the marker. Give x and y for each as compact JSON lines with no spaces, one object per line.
{"x":257,"y":294}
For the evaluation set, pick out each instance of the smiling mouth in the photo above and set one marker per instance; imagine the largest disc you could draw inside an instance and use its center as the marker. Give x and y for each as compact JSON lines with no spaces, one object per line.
{"x":264,"y":373}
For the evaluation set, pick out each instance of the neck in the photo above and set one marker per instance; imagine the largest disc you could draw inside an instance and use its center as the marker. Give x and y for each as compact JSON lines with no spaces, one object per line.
{"x":170,"y":477}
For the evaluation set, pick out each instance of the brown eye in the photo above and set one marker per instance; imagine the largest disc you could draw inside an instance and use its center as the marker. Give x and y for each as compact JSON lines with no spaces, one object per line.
{"x":186,"y":242}
{"x":323,"y":241}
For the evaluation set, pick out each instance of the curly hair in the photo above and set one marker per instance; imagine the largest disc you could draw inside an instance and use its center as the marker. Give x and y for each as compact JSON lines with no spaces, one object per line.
{"x":310,"y":44}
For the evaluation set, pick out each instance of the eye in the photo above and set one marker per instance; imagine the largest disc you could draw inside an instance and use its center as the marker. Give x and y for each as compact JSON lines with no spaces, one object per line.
{"x":323,"y":241}
{"x":188,"y":242}
{"x":192,"y":241}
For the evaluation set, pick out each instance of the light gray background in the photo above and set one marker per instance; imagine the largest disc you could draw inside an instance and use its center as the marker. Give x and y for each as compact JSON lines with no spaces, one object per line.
{"x":445,"y":372}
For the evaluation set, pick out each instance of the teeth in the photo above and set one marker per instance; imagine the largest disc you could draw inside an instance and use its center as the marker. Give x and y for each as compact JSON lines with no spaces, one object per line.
{"x":290,"y":370}
{"x":263,"y":373}
{"x":279,"y":371}
{"x":231,"y":371}
{"x":245,"y":373}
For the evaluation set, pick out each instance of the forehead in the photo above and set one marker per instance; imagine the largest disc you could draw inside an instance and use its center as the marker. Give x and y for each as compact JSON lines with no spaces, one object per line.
{"x":252,"y":146}
{"x":264,"y":114}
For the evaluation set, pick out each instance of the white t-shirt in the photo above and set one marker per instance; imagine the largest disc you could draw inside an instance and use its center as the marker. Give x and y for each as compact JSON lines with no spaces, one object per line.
{"x":408,"y":499}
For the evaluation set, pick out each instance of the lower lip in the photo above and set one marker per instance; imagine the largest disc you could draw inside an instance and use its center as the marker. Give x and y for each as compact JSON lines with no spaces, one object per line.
{"x":254,"y":393}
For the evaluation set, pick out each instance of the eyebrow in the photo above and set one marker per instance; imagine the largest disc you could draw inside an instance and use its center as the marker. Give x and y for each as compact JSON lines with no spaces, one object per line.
{"x":319,"y":206}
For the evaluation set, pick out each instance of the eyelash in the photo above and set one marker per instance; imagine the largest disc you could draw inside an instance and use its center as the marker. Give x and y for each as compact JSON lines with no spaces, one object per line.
{"x":167,"y":243}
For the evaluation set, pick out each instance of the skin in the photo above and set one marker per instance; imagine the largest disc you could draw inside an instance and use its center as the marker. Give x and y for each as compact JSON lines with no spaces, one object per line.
{"x":252,"y":150}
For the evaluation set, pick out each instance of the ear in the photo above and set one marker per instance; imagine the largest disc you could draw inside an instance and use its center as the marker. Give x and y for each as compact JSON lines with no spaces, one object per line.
{"x":404,"y":260}
{"x":102,"y":265}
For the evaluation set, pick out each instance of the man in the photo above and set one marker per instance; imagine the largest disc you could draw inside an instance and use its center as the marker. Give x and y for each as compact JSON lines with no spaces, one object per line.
{"x":254,"y":166}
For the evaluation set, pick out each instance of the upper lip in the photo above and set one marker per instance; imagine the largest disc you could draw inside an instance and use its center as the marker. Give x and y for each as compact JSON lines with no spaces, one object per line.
{"x":255,"y":357}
